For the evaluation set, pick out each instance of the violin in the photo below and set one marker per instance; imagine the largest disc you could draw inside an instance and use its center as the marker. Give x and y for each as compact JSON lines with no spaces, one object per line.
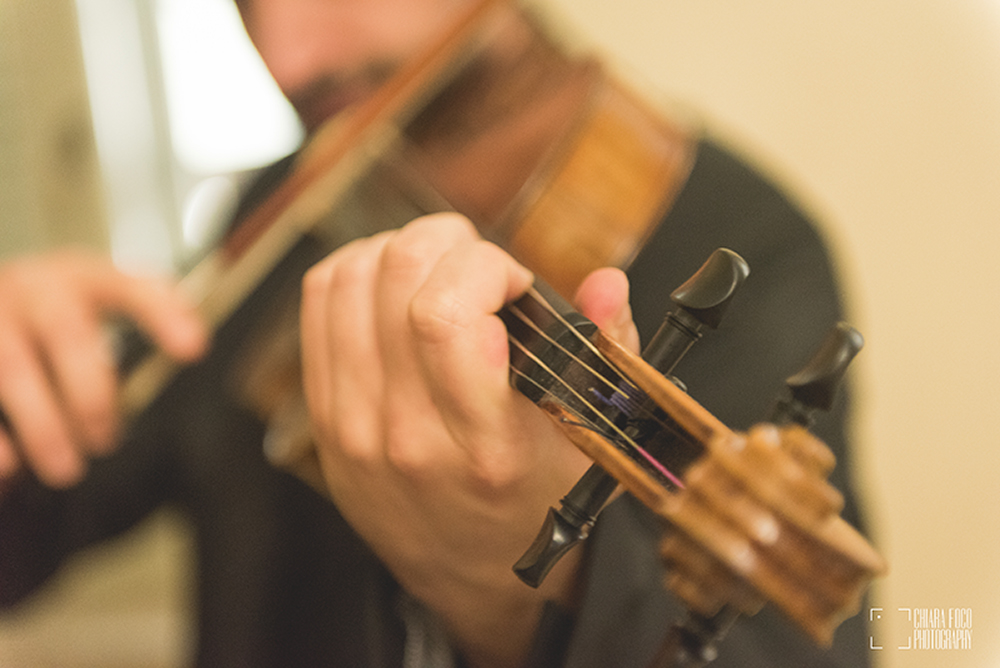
{"x":578,"y":183}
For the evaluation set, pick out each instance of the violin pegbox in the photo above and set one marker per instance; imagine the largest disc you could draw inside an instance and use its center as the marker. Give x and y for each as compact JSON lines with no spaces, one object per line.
{"x":757,"y":521}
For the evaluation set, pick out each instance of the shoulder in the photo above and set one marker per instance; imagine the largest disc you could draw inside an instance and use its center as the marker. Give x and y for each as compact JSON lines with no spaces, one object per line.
{"x":726,"y":202}
{"x":780,"y":315}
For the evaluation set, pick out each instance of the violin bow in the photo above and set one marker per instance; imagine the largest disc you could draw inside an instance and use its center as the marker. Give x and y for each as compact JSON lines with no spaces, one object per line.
{"x":748,"y":523}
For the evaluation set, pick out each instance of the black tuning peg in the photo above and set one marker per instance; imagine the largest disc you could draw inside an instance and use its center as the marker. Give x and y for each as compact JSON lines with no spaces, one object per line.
{"x":700,"y":302}
{"x":814,"y":387}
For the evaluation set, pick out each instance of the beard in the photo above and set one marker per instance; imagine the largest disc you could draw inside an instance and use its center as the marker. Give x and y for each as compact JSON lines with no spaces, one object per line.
{"x":332,"y":92}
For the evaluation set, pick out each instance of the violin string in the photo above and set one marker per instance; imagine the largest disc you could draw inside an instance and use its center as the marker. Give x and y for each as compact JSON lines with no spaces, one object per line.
{"x":541,"y":301}
{"x":613,"y":433}
{"x":612,"y":428}
{"x":538,"y":330}
{"x":584,"y":421}
{"x":526,"y":319}
{"x":616,"y":433}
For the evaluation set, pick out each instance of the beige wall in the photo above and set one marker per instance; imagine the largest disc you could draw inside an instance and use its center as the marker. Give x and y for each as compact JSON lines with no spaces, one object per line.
{"x":884,"y":118}
{"x":50,"y":191}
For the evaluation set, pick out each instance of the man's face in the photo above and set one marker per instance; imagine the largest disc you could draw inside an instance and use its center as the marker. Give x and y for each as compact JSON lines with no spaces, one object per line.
{"x":327,"y":54}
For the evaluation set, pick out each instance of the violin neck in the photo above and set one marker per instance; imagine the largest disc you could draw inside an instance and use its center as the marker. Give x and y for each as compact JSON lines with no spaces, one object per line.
{"x":608,"y":400}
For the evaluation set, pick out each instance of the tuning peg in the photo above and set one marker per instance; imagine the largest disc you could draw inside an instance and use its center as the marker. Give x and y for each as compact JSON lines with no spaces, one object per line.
{"x":700,"y":302}
{"x":814,"y":387}
{"x":566,"y":526}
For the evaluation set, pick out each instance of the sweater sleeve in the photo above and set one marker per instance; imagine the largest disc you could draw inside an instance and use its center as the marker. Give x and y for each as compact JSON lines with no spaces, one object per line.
{"x":41,"y":527}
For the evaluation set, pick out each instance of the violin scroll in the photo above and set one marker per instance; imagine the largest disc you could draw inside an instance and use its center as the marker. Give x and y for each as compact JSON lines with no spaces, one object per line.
{"x":757,"y":521}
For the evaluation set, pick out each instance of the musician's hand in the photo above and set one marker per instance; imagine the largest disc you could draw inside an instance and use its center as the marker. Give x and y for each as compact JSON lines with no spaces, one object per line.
{"x":428,"y":452}
{"x":603,"y":297}
{"x":57,"y":372}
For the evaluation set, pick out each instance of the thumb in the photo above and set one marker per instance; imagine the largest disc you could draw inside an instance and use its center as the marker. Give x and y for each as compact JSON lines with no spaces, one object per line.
{"x":603,"y":298}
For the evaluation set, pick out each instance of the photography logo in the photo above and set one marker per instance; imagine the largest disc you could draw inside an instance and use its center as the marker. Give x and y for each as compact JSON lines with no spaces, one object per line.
{"x":916,"y":629}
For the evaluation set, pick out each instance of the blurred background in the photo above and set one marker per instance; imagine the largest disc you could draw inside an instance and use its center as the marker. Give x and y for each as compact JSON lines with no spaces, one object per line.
{"x":123,"y":127}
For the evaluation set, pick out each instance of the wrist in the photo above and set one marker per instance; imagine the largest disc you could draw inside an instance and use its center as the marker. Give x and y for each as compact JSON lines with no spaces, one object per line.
{"x":510,"y":624}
